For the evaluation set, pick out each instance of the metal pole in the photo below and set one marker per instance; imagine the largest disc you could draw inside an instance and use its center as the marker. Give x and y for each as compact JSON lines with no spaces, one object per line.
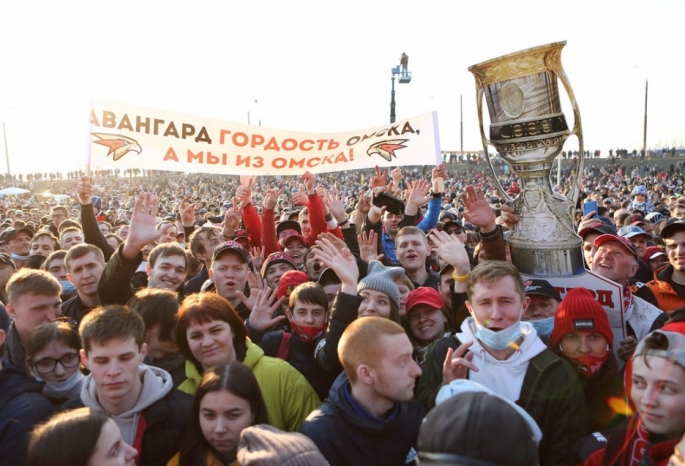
{"x":644,"y":132}
{"x":248,"y":117}
{"x":7,"y":154}
{"x":461,"y":124}
{"x":392,"y":101}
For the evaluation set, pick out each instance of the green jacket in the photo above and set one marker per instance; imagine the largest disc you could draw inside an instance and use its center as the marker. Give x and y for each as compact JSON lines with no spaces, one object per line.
{"x":288,"y":396}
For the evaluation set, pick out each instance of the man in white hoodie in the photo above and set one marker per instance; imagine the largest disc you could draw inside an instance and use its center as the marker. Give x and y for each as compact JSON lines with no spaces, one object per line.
{"x":506,"y":356}
{"x":140,"y":399}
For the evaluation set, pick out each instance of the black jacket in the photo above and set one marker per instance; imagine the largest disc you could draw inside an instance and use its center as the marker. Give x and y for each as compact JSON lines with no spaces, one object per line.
{"x":194,"y":285}
{"x":346,"y":437}
{"x":165,"y":421}
{"x":75,"y":309}
{"x":301,"y":357}
{"x":343,"y":312}
{"x":22,"y":406}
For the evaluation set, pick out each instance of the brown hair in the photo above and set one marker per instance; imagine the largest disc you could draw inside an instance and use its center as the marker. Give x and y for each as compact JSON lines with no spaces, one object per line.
{"x":361,"y":343}
{"x":81,"y":250}
{"x":203,"y":308}
{"x":60,"y":331}
{"x":111,"y":322}
{"x":196,"y":238}
{"x":31,"y":281}
{"x":308,"y":292}
{"x":47,"y":234}
{"x":490,"y":271}
{"x":56,"y":255}
{"x":156,"y":306}
{"x":167,"y":250}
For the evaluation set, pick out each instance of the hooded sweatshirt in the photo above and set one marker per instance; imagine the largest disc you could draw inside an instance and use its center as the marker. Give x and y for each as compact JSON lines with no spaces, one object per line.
{"x":156,"y":384}
{"x":505,"y":378}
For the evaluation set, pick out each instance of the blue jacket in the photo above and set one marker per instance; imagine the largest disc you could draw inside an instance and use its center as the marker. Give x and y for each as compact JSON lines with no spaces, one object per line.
{"x":345,"y":436}
{"x":22,"y":406}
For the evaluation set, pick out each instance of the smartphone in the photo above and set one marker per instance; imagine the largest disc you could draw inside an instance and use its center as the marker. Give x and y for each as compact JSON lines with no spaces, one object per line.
{"x":392,"y":204}
{"x":590,"y":206}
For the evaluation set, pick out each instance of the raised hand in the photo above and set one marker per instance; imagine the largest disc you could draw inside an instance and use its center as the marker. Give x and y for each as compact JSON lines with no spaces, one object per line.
{"x":378,"y":180}
{"x":336,"y":205}
{"x":254,"y":283}
{"x":418,"y":194}
{"x":271,"y":197}
{"x":142,"y":229}
{"x":364,"y":202}
{"x":299,"y":197}
{"x":340,"y":260}
{"x":308,"y":180}
{"x":257,"y":257}
{"x":452,"y":251}
{"x":456,"y":365}
{"x":396,"y":176}
{"x":368,"y":247}
{"x":477,"y":210}
{"x":508,"y":216}
{"x":187,"y":212}
{"x":263,"y":310}
{"x":84,"y":190}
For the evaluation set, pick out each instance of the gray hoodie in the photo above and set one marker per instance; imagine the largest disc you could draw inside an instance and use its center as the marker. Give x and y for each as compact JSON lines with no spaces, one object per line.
{"x":156,"y":384}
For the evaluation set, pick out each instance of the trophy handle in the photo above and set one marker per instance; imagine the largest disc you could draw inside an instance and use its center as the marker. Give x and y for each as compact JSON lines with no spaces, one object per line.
{"x":578,"y":132}
{"x":503,"y":194}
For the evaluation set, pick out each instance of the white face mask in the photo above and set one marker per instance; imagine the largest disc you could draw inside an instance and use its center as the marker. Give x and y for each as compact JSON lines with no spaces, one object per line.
{"x":61,"y":389}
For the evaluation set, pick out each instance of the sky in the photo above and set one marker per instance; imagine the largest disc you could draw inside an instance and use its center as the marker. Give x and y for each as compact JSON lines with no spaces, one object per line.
{"x":323,"y":66}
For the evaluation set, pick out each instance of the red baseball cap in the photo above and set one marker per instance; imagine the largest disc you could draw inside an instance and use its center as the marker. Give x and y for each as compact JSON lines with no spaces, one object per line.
{"x":424,"y":295}
{"x":627,"y":245}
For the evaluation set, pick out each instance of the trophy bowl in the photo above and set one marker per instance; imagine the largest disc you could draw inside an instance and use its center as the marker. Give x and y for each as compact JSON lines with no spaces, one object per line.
{"x":528,"y":129}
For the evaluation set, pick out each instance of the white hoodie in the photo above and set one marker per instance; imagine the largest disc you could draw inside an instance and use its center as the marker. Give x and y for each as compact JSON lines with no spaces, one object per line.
{"x":156,"y":384}
{"x":502,"y":377}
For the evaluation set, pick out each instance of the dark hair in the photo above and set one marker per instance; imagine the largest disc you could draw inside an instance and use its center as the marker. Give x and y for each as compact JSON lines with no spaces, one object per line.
{"x":67,"y":439}
{"x":57,"y":255}
{"x":167,"y":250}
{"x":156,"y":306}
{"x":58,"y":331}
{"x":653,"y":341}
{"x":82,"y":250}
{"x":235,"y":378}
{"x":110,"y":322}
{"x":308,"y":292}
{"x":203,"y":308}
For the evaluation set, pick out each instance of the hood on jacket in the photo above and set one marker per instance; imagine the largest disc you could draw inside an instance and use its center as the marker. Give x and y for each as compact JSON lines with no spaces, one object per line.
{"x":157,"y":384}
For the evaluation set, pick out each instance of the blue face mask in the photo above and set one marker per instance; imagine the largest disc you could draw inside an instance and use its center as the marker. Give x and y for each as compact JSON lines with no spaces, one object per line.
{"x":67,"y":286}
{"x":499,"y":340}
{"x":544,"y":327}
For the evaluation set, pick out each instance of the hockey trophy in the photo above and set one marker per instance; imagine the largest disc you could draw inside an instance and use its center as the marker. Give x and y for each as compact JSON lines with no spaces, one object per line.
{"x":528,"y":130}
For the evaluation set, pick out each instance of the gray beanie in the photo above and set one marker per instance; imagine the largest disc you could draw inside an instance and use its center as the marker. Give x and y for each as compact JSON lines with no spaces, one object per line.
{"x":382,"y":278}
{"x":263,"y":445}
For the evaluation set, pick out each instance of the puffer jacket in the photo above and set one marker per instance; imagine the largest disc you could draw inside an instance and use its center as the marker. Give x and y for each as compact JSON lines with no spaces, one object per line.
{"x":662,"y":288}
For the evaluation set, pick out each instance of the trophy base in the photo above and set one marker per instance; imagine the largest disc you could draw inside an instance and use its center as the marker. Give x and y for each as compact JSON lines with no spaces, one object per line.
{"x":539,"y":261}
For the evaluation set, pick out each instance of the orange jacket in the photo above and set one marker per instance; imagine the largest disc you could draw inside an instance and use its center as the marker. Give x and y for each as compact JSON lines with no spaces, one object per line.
{"x":663,"y":291}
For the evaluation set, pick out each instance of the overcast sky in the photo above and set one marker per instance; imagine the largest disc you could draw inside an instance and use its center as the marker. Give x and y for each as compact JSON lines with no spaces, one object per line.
{"x":325,"y":66}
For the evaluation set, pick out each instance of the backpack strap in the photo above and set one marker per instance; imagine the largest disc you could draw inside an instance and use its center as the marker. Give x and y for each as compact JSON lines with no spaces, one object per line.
{"x":284,"y":346}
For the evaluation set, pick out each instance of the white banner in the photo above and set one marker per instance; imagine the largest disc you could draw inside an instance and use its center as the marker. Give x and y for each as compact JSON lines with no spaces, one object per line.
{"x":125,"y":136}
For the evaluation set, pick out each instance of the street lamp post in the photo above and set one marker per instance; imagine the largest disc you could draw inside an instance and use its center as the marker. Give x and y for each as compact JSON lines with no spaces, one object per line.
{"x":392,"y":99}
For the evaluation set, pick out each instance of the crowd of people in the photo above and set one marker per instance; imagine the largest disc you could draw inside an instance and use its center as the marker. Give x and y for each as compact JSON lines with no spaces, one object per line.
{"x":358,"y":318}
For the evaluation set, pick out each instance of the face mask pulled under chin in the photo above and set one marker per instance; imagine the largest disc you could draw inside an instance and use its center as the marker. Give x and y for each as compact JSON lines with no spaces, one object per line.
{"x":543,"y":327}
{"x":501,"y":339}
{"x":67,"y":286}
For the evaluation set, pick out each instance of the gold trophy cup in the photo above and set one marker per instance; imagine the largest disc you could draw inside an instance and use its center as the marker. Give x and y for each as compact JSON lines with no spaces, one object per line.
{"x":528,"y":130}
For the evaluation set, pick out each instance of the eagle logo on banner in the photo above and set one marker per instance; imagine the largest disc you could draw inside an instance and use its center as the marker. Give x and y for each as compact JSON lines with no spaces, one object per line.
{"x":118,"y":145}
{"x":386,"y":149}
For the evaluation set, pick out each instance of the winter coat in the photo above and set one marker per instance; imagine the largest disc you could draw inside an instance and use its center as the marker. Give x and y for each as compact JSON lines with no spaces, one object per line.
{"x":662,"y":288}
{"x":162,"y":410}
{"x":429,"y":383}
{"x":288,"y":396}
{"x":347,"y":436}
{"x":22,"y":406}
{"x":550,"y":390}
{"x":301,"y":356}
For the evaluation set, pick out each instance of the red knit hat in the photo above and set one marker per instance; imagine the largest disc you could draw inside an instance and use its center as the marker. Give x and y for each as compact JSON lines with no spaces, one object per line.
{"x":579,"y":311}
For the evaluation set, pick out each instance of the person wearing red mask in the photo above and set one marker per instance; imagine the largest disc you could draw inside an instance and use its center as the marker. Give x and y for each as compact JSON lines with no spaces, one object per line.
{"x":582,"y":335}
{"x":307,"y":311}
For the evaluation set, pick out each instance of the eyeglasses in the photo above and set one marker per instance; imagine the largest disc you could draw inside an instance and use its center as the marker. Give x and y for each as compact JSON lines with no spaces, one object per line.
{"x":47,"y":365}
